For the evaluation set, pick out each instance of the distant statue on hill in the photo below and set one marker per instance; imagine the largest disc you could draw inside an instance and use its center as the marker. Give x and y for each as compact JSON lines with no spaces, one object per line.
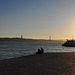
{"x":40,"y":51}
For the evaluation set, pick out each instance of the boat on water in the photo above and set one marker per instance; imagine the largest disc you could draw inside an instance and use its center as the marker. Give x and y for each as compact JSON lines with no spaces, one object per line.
{"x":69,"y":43}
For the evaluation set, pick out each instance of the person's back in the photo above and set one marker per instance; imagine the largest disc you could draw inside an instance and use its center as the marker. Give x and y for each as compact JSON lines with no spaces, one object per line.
{"x":42,"y":50}
{"x":38,"y":50}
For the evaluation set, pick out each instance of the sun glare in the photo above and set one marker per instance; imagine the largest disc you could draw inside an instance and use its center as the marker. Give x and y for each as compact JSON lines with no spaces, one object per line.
{"x":72,"y":28}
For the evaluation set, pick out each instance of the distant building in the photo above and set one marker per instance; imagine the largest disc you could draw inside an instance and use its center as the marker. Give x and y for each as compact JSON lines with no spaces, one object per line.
{"x":49,"y":37}
{"x":21,"y":36}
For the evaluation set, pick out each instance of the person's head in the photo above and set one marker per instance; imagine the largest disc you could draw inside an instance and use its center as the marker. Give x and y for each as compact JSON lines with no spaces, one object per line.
{"x":41,"y":48}
{"x":38,"y":49}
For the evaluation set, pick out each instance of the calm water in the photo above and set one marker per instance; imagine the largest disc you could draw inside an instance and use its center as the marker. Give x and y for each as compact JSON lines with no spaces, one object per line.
{"x":17,"y":49}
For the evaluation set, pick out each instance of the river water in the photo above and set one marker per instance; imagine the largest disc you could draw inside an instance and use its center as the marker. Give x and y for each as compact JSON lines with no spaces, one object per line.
{"x":17,"y":49}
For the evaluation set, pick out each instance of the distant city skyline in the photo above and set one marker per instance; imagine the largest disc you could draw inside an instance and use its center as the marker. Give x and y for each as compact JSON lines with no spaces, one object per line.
{"x":37,"y":19}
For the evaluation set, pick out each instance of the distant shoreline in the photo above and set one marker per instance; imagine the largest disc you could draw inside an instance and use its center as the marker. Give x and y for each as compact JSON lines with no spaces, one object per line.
{"x":27,"y":40}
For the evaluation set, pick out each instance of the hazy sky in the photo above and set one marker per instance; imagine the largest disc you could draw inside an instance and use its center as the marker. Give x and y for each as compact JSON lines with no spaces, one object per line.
{"x":37,"y":18}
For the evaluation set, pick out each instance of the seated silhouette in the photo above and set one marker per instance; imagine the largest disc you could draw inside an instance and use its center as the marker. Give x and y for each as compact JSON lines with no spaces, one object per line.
{"x":40,"y":51}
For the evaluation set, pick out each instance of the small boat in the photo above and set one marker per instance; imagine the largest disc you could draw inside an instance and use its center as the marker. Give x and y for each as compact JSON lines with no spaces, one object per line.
{"x":69,"y":43}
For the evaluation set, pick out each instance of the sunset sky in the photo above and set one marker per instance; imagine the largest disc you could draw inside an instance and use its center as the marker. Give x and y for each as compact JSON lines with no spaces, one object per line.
{"x":37,"y":18}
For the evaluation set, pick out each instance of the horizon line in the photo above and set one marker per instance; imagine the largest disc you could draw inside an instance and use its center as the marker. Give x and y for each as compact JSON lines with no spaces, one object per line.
{"x":34,"y":38}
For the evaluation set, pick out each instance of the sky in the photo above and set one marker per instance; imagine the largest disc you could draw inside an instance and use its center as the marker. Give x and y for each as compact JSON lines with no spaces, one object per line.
{"x":37,"y":19}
